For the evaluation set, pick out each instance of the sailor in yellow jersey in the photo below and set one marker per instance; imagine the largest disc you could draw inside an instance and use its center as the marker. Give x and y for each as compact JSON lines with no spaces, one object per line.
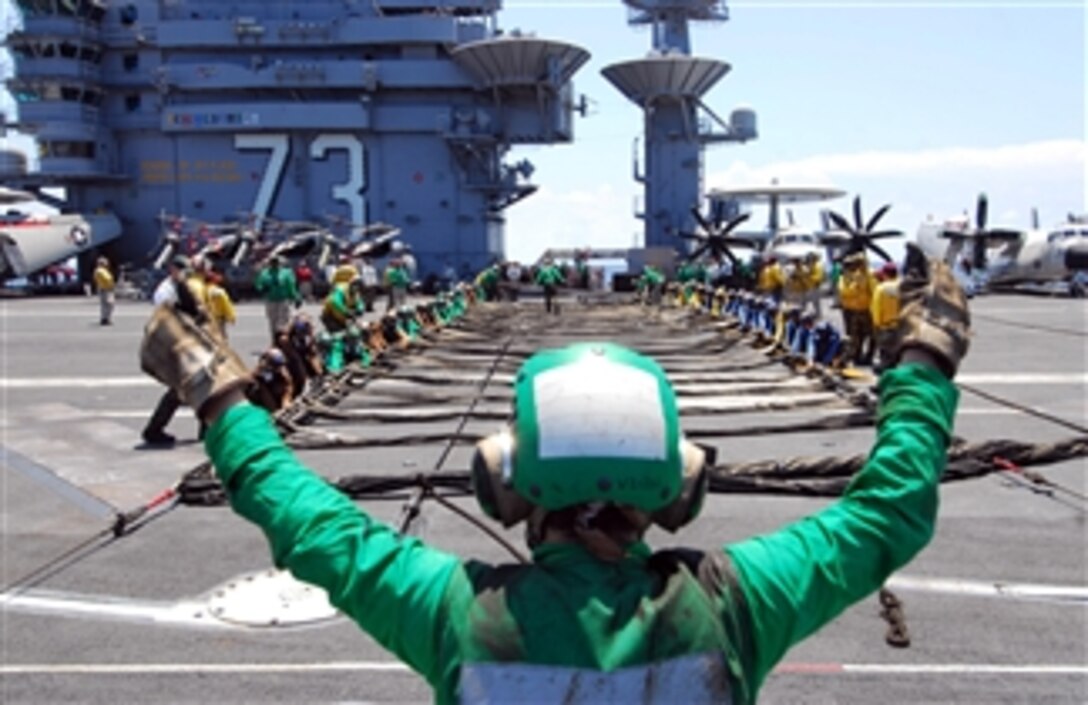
{"x":220,"y":307}
{"x":885,"y":314}
{"x":104,"y":284}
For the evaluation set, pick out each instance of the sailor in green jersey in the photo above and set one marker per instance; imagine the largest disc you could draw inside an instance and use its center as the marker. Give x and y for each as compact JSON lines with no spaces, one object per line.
{"x":397,"y":280}
{"x":651,"y":285}
{"x":408,"y":322}
{"x":342,"y":305}
{"x":550,"y":277}
{"x":276,"y":285}
{"x":594,"y":456}
{"x":487,"y":283}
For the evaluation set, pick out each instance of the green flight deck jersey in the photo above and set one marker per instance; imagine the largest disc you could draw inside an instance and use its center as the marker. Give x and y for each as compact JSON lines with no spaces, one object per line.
{"x":675,"y":626}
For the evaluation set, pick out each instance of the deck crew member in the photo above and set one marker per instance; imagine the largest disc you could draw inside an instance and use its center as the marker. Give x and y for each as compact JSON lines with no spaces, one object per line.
{"x":549,"y":276}
{"x":276,"y":285}
{"x":592,"y":458}
{"x":856,"y":285}
{"x":885,"y":314}
{"x":104,"y":283}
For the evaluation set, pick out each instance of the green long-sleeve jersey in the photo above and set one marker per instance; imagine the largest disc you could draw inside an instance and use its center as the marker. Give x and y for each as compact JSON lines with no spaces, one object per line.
{"x":276,"y":284}
{"x":712,"y":627}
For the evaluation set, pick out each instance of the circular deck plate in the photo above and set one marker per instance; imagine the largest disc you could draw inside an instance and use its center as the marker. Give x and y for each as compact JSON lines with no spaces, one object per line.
{"x":270,"y":598}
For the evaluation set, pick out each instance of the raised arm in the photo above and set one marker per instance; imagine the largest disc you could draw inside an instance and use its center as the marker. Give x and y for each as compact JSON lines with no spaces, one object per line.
{"x":799,"y":578}
{"x":392,"y":586}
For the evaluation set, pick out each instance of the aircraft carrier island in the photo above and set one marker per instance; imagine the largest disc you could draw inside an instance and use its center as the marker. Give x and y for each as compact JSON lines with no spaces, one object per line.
{"x":399,"y":111}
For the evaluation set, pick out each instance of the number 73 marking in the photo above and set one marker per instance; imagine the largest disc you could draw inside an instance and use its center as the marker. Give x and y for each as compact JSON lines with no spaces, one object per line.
{"x":349,"y":192}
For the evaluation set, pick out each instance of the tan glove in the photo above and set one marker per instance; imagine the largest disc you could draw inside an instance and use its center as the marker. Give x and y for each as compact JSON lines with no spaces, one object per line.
{"x":933,"y":311}
{"x":190,"y":358}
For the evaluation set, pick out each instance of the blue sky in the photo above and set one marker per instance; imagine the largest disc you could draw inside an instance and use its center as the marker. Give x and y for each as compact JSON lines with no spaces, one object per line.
{"x":921,"y":104}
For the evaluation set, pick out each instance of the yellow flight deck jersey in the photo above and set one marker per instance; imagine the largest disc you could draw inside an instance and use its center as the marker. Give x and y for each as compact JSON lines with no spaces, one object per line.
{"x":885,"y":306}
{"x":103,"y":279}
{"x":815,"y":275}
{"x":220,"y":307}
{"x":797,"y":283}
{"x":199,"y":289}
{"x":770,"y":278}
{"x":856,"y":289}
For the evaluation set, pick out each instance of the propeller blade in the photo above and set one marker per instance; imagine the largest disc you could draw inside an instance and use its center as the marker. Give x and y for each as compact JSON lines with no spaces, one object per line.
{"x":879,"y":250}
{"x":701,"y":220}
{"x":980,"y":214}
{"x":698,"y":251}
{"x":840,"y":222}
{"x":979,"y":254}
{"x":690,"y":236}
{"x":858,"y":222}
{"x":883,"y":233}
{"x":734,"y":222}
{"x":877,"y":216}
{"x":732,"y":257}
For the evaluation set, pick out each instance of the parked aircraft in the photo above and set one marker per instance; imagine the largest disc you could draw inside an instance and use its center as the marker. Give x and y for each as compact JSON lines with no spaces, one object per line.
{"x":30,"y":241}
{"x":788,"y":241}
{"x":1007,"y":257}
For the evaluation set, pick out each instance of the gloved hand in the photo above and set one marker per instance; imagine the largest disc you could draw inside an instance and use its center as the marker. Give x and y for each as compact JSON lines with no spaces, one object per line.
{"x":190,"y":358}
{"x":933,"y":313}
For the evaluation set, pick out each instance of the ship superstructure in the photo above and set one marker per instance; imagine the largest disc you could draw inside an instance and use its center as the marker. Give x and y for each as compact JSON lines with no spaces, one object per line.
{"x":669,"y":85}
{"x":399,"y":111}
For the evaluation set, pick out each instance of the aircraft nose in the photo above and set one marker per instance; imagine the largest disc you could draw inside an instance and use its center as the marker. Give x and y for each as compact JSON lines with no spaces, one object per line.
{"x":1076,"y":256}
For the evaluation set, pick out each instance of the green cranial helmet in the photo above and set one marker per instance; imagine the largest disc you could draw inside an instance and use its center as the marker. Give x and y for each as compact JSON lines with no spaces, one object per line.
{"x":594,"y":422}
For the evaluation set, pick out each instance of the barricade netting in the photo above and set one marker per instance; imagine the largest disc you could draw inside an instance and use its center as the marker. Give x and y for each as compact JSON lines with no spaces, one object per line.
{"x":450,"y":382}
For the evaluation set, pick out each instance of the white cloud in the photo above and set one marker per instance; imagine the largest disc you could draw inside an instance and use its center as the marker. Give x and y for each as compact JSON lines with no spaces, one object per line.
{"x":1048,"y":175}
{"x":599,"y":217}
{"x":823,"y":169}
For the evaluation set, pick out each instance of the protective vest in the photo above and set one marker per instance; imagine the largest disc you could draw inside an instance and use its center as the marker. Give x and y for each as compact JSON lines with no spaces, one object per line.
{"x":103,"y":279}
{"x":220,"y":307}
{"x":341,"y":305}
{"x":770,"y":278}
{"x":799,"y":281}
{"x":885,"y":307}
{"x":856,"y":289}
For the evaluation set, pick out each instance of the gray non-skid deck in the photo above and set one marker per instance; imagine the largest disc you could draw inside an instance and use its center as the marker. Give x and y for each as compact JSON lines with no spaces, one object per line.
{"x":110,"y":626}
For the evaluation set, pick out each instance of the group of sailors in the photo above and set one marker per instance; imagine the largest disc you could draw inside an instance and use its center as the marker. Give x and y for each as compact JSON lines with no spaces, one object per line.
{"x":784,"y":310}
{"x":302,"y":354}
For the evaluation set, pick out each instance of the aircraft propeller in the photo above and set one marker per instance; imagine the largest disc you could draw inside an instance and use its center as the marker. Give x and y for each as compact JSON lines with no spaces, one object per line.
{"x":862,"y":232}
{"x":715,"y":237}
{"x":979,"y":236}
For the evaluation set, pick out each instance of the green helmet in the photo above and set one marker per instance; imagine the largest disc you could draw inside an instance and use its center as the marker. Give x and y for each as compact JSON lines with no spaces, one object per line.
{"x":594,"y":422}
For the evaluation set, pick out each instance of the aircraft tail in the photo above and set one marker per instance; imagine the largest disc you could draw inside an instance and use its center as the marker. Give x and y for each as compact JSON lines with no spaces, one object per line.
{"x":27,"y":246}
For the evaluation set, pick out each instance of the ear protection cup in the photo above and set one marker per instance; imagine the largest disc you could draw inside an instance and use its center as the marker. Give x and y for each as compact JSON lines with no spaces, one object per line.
{"x":693,"y":488}
{"x":492,"y":480}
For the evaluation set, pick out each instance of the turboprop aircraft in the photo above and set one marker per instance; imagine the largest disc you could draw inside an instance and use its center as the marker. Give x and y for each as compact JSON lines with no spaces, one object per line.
{"x":1007,"y":257}
{"x":789,"y":241}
